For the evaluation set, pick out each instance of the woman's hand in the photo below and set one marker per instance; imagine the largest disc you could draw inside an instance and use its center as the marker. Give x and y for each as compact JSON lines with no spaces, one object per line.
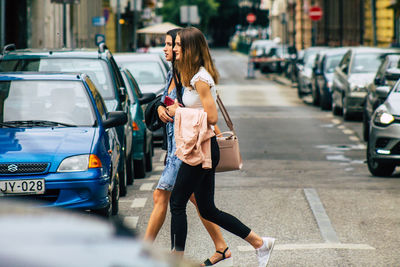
{"x":172,"y":108}
{"x":163,"y":115}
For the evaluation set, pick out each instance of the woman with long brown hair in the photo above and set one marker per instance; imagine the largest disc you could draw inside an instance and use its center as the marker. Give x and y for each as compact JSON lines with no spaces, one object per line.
{"x":166,"y":183}
{"x":199,"y":76}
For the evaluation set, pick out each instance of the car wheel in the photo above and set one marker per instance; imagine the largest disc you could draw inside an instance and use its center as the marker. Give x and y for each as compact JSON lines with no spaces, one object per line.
{"x":115,"y":197}
{"x":300,"y":93}
{"x":123,"y":181}
{"x":149,"y":158}
{"x":378,"y":168}
{"x":129,"y":170}
{"x":365,"y":127}
{"x":345,"y":111}
{"x":324,"y":102}
{"x":140,"y":167}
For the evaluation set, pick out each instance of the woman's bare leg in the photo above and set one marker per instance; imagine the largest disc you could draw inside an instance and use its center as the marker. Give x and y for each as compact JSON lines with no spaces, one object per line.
{"x":215,"y":233}
{"x":157,"y":217}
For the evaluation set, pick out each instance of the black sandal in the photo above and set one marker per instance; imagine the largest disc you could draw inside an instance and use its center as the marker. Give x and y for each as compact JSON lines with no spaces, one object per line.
{"x":207,"y":262}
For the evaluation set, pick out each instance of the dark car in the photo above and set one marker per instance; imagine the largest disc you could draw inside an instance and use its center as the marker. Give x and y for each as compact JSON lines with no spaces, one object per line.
{"x":101,"y":68}
{"x":142,"y":137}
{"x":305,"y":70}
{"x":383,"y":149}
{"x":58,"y":142}
{"x":352,"y":77}
{"x":323,"y":74}
{"x":386,"y":77}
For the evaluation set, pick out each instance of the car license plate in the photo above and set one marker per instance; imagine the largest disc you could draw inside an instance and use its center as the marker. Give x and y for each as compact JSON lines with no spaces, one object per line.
{"x":32,"y":186}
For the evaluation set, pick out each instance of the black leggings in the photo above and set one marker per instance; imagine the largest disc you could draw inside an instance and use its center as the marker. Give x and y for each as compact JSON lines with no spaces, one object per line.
{"x":201,"y":182}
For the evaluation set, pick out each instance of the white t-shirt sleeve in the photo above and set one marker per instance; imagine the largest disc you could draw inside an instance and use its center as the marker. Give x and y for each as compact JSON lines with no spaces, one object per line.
{"x":204,"y":76}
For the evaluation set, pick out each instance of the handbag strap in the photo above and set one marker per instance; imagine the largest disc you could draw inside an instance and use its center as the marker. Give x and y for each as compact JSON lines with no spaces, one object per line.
{"x":225,"y":114}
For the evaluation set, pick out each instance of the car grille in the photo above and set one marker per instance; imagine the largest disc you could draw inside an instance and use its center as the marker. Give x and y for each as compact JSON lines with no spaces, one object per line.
{"x":381,"y":143}
{"x":23,"y":168}
{"x":50,"y":196}
{"x":396,"y":149}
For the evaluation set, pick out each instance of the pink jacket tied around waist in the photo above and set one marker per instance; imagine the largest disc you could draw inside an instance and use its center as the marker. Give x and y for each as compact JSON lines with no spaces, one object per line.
{"x":193,"y":137}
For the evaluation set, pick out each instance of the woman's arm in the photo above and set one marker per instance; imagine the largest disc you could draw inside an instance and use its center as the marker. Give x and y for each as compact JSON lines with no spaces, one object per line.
{"x":203,"y":89}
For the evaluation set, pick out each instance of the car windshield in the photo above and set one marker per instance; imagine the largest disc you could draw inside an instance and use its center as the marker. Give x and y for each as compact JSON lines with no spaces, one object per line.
{"x":366,"y":62}
{"x":332,"y":62}
{"x":58,"y":101}
{"x":145,"y":72}
{"x":310,"y":61}
{"x":95,"y":68}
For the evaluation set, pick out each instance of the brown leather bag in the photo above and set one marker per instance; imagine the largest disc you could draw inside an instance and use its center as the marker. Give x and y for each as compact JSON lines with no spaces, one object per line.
{"x":230,"y":158}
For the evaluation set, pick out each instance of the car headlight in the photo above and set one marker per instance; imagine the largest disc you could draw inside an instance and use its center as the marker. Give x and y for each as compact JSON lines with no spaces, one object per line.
{"x":383,"y":118}
{"x":79,"y":163}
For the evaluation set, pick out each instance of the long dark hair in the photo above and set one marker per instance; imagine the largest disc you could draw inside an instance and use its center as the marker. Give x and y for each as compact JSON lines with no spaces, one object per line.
{"x":175,"y":74}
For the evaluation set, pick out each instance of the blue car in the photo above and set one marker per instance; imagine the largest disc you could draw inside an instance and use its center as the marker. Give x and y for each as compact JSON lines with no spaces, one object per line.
{"x":142,"y":141}
{"x":58,"y":142}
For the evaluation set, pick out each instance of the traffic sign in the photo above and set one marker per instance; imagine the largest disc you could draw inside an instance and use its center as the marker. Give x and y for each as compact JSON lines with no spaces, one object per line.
{"x":315,"y":13}
{"x":250,"y":18}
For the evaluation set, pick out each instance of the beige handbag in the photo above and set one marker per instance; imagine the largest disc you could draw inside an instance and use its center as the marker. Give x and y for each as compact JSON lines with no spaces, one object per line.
{"x":230,"y":159}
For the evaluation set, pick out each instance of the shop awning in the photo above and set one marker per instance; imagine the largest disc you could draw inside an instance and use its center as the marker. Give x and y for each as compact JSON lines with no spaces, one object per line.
{"x":161,"y":28}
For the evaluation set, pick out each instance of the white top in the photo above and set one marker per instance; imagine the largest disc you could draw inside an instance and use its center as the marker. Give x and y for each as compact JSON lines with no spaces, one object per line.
{"x":191,"y":97}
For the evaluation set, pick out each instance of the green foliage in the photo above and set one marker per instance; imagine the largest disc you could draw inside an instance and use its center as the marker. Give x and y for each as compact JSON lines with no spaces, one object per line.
{"x":207,"y":9}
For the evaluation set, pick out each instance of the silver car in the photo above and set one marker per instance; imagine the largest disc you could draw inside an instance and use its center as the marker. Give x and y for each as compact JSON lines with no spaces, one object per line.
{"x":383,"y":152}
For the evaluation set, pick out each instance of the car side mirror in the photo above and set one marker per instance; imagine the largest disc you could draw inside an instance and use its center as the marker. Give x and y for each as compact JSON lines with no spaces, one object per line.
{"x":379,"y":81}
{"x":382,"y":91}
{"x":114,"y":119}
{"x":146,"y":98}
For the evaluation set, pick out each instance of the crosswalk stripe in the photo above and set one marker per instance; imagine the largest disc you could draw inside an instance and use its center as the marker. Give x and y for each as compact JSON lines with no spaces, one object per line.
{"x":162,"y":156}
{"x":146,"y":187}
{"x":154,"y":177}
{"x":159,"y":168}
{"x":138,"y":203}
{"x":313,"y":246}
{"x":131,"y":221}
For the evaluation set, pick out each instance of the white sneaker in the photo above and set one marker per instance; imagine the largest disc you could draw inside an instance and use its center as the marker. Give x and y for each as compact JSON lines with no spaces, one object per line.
{"x":264,"y":252}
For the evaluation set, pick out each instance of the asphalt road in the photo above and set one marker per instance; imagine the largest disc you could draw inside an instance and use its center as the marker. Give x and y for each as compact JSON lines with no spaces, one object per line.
{"x":304,"y":182}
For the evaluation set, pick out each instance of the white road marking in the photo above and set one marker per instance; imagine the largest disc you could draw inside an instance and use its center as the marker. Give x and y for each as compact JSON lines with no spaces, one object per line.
{"x":162,"y":156}
{"x":138,"y":203}
{"x":131,"y":221}
{"x":342,"y":127}
{"x":154,"y":177}
{"x":347,"y":131}
{"x":336,"y":121}
{"x":146,"y":187}
{"x":354,"y":138}
{"x":324,"y":224}
{"x":312,"y":246}
{"x":159,"y":168}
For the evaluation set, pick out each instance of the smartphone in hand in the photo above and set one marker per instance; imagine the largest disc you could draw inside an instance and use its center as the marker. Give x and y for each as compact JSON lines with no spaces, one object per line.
{"x":168,"y":101}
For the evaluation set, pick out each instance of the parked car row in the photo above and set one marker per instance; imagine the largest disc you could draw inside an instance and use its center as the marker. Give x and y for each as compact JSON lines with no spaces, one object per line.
{"x":359,"y":82}
{"x":72,"y":126}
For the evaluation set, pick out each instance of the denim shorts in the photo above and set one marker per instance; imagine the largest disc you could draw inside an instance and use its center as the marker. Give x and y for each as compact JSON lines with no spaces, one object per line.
{"x":173,"y":163}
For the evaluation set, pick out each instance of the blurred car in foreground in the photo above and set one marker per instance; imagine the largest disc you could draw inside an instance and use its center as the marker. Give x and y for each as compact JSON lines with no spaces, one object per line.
{"x":142,"y":137}
{"x":352,"y":77}
{"x":383,"y":149}
{"x":323,"y":75}
{"x":39,"y":237}
{"x":103,"y":71}
{"x":58,"y":142}
{"x":149,"y":70}
{"x":386,"y":77}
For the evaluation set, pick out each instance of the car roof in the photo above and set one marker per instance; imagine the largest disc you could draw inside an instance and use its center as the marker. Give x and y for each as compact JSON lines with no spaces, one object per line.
{"x":370,"y":49}
{"x":70,"y":76}
{"x":137,"y":56}
{"x":56,"y":53}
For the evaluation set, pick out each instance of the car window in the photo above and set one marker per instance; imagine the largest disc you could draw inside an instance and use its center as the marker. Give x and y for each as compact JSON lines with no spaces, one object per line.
{"x":60,"y":101}
{"x":310,"y":61}
{"x":101,"y":107}
{"x":331,"y":62}
{"x":95,"y":68}
{"x":366,"y":62}
{"x":129,"y":90}
{"x":145,"y":72}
